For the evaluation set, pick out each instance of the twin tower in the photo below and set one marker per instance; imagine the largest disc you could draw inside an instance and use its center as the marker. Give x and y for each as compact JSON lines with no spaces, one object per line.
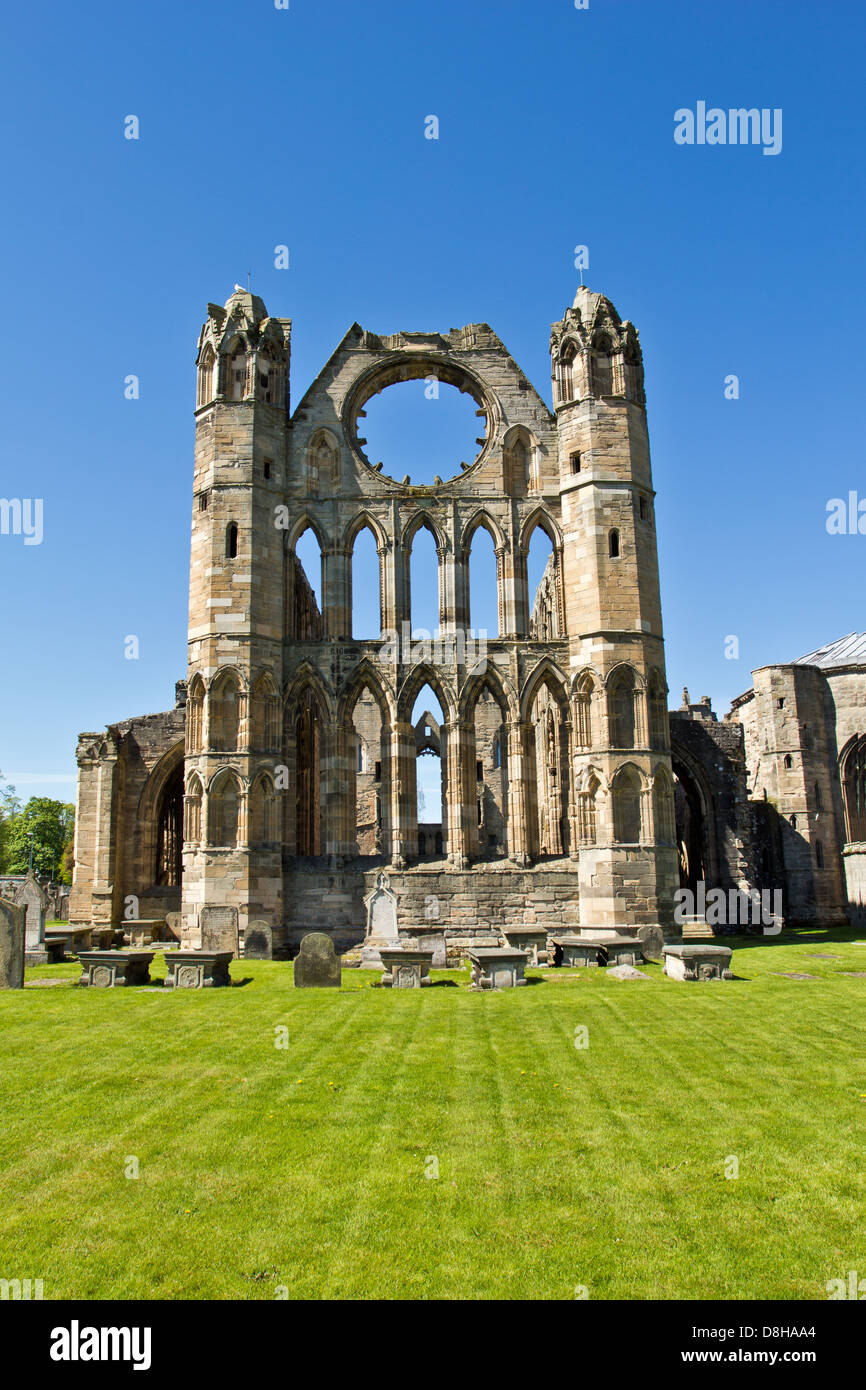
{"x":576,"y":692}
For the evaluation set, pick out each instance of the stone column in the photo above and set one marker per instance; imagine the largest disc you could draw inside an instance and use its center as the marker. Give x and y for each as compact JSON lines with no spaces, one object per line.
{"x":404,"y":795}
{"x":513,"y":595}
{"x":454,"y":758}
{"x":387,"y":586}
{"x":342,"y":803}
{"x":518,"y":836}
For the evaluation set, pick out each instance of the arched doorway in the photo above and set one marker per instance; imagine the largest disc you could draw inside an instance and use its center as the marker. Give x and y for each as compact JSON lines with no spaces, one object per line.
{"x":169,"y":833}
{"x":691,"y":828}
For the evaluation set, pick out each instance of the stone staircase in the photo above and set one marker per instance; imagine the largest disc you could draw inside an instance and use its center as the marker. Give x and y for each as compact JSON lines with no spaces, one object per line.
{"x":696,"y":929}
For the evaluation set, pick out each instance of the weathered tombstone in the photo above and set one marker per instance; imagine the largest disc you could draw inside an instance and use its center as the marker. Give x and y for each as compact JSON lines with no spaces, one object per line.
{"x":33,"y":898}
{"x":219,"y":929}
{"x":382,"y":929}
{"x":259,"y":941}
{"x":172,"y":926}
{"x":652,"y":942}
{"x":11,"y":945}
{"x":317,"y":965}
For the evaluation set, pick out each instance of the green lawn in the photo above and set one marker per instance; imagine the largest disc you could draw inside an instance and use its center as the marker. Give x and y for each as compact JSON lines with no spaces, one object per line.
{"x":559,"y":1167}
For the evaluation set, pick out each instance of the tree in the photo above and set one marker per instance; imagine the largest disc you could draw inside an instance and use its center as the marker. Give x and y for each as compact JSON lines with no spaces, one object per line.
{"x":51,"y":825}
{"x":10,"y":807}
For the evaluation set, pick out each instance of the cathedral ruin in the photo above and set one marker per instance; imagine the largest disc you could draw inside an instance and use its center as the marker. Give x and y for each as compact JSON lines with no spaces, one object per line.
{"x":283,"y":783}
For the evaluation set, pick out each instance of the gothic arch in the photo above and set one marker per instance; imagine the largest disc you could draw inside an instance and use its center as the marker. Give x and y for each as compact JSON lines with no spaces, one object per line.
{"x":322,"y":460}
{"x":500,"y":688}
{"x":365,"y":676}
{"x":195,"y":704}
{"x":307,"y":675}
{"x":545,"y":673}
{"x":415,"y":523}
{"x":628,"y":786}
{"x":225,"y":796}
{"x":701,"y":837}
{"x":307,"y":522}
{"x":852,"y":770}
{"x":263,"y":827}
{"x":540,"y":516}
{"x":365,"y":520}
{"x":483,"y":520}
{"x":159,"y":822}
{"x":418,"y":677}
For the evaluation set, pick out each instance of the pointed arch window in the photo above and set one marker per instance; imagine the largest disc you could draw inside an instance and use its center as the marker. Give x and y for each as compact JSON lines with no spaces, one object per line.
{"x":658,"y":711}
{"x":205,"y":390}
{"x":224,"y":811}
{"x":193,"y":802}
{"x":583,"y":711}
{"x":587,"y":801}
{"x":663,"y":809}
{"x":854,"y":788}
{"x":225,"y":713}
{"x":626,"y":791}
{"x":195,"y":715}
{"x":236,"y":371}
{"x":263,"y":812}
{"x":622,"y":714}
{"x":566,"y":372}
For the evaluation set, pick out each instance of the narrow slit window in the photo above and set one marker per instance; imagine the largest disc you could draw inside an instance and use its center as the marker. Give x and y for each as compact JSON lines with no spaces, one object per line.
{"x":231,"y":540}
{"x":613,"y":545}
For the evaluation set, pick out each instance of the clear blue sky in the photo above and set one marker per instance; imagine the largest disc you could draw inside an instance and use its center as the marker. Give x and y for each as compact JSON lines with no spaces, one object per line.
{"x":306,"y":127}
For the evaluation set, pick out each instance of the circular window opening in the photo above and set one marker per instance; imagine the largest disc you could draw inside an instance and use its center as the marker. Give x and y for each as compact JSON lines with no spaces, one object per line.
{"x":426,"y":430}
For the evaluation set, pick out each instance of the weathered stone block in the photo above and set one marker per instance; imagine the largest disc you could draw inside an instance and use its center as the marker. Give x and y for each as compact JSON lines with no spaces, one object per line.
{"x":317,"y":966}
{"x":12,"y":937}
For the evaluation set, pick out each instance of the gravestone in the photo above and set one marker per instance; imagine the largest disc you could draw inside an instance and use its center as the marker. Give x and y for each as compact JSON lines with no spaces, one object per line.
{"x":11,"y":945}
{"x":219,"y":929}
{"x":652,"y":942}
{"x":259,"y":941}
{"x":33,"y":898}
{"x":172,"y":926}
{"x":317,"y":965}
{"x":382,"y":930}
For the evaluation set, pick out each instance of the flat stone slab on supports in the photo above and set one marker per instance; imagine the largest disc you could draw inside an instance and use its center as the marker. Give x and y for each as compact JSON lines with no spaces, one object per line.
{"x":197,"y":969}
{"x":405,"y":968}
{"x":53,"y":951}
{"x":695,"y":961}
{"x":108,"y":969}
{"x":599,"y":950}
{"x":531,"y":940}
{"x":143,"y":930}
{"x":80,"y":938}
{"x":497,"y":967}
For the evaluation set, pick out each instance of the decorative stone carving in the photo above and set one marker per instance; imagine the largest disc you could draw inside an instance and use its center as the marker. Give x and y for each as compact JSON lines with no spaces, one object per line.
{"x":108,"y":969}
{"x":382,"y":930}
{"x":197,"y":969}
{"x":696,"y":961}
{"x":405,"y":968}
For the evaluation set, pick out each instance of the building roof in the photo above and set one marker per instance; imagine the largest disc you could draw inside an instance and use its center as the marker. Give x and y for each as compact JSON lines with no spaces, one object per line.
{"x":845,"y":651}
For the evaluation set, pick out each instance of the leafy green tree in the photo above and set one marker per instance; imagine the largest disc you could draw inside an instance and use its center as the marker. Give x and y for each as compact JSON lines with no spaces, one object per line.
{"x":10,"y":807}
{"x":51,"y":824}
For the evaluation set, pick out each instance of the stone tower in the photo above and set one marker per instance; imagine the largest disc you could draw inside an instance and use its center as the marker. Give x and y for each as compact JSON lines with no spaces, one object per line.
{"x":624,"y":785}
{"x":232,"y":852}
